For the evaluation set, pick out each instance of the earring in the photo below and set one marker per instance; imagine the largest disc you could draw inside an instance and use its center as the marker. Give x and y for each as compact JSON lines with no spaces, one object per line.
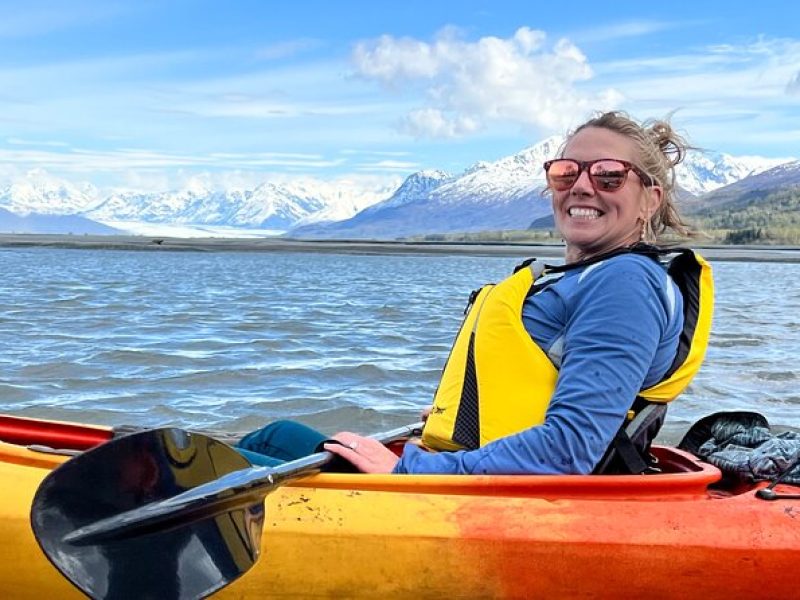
{"x":647,"y":235}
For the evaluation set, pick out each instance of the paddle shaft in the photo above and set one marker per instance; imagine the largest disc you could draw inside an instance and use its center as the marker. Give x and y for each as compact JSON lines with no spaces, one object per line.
{"x":239,"y":488}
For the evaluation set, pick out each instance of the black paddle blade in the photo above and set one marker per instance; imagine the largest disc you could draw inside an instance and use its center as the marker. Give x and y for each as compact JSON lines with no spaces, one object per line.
{"x":188,"y":558}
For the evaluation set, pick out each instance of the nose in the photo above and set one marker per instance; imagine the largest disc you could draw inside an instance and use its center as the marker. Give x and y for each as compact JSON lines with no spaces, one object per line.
{"x":583,"y":185}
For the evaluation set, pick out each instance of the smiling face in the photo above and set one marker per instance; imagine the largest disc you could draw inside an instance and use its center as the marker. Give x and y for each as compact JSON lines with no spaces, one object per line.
{"x":593,"y":222}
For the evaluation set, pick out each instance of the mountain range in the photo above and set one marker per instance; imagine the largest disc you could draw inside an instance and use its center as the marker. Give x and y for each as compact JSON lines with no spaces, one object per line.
{"x":504,"y":194}
{"x":740,"y":193}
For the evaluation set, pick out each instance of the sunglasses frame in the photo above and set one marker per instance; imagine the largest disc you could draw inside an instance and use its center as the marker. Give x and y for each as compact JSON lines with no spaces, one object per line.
{"x":586,"y":165}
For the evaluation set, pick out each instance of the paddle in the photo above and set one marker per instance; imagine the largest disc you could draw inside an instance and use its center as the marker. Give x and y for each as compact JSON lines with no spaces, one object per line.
{"x":160,"y":514}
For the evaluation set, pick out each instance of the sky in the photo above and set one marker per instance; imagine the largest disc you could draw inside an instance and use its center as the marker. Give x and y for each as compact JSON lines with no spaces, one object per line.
{"x":149,"y":94}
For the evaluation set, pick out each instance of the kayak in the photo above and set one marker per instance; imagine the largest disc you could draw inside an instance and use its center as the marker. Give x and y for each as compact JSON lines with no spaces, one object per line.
{"x":678,"y":533}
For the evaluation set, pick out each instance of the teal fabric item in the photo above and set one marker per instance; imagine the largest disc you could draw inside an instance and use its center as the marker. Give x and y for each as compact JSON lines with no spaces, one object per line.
{"x":259,"y":460}
{"x":280,"y":441}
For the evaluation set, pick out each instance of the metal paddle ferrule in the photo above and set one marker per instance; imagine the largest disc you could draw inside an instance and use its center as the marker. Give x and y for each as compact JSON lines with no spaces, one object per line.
{"x":160,"y":514}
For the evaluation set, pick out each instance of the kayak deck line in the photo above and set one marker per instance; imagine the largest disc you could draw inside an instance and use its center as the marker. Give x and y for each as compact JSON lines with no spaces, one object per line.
{"x":60,"y":439}
{"x":683,"y":475}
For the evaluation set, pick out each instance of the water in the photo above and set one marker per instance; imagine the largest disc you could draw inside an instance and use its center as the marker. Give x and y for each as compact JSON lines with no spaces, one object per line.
{"x":234,"y":339}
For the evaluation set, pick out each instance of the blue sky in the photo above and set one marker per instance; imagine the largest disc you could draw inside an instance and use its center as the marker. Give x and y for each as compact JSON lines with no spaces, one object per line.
{"x":147,"y":93}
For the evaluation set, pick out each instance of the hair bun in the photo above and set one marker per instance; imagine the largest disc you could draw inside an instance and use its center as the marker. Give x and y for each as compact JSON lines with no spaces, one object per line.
{"x":668,"y":141}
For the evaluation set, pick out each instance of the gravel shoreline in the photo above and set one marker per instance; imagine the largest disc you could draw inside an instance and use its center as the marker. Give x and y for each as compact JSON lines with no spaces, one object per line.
{"x":789,"y":254}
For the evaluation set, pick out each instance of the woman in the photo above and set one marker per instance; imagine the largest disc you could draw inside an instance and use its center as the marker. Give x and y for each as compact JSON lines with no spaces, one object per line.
{"x":607,"y":331}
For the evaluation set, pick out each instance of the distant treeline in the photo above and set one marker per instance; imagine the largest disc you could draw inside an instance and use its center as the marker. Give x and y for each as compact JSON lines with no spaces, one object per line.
{"x":754,"y":219}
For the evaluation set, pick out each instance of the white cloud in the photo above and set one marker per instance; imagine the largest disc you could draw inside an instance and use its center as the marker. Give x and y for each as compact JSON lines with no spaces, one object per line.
{"x":152,"y":170}
{"x":793,"y":87}
{"x":191,"y":101}
{"x":126,"y":159}
{"x":390,"y":165}
{"x":51,"y":143}
{"x":391,"y":60}
{"x":267,"y":155}
{"x":624,"y":29}
{"x":470,"y":85}
{"x":432,"y":122}
{"x":389,"y":153}
{"x":258,"y":108}
{"x":727,"y":95}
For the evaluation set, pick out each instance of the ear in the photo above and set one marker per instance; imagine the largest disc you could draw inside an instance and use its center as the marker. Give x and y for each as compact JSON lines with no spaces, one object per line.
{"x":652,"y":201}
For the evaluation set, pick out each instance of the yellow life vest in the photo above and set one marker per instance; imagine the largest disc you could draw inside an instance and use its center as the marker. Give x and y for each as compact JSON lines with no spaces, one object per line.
{"x":497,"y":381}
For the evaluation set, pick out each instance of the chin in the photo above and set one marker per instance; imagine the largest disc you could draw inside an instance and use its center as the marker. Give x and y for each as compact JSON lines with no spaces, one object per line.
{"x":580,"y":236}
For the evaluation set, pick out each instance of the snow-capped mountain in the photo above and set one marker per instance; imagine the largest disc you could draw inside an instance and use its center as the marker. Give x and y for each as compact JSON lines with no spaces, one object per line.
{"x":703,"y":172}
{"x":784,"y":176}
{"x":416,"y":187}
{"x":42,"y":193}
{"x":509,"y":177}
{"x":269,"y":206}
{"x":342,"y":199}
{"x":195,"y":202}
{"x":505,"y":194}
{"x":415,"y":190}
{"x":274,"y":207}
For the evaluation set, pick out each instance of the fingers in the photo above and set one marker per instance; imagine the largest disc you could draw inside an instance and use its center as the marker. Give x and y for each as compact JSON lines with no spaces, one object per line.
{"x":367,"y":454}
{"x":350,"y":455}
{"x":338,"y":449}
{"x":347,"y":438}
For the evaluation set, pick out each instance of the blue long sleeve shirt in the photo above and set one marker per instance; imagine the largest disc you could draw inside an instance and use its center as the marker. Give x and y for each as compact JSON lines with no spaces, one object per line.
{"x":612,"y":329}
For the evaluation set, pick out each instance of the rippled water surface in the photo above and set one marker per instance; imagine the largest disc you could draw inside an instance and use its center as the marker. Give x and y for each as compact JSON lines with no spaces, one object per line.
{"x":231,"y":340}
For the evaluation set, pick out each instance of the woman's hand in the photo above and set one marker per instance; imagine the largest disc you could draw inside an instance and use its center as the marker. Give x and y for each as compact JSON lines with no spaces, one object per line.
{"x":426,"y":412}
{"x":367,"y":454}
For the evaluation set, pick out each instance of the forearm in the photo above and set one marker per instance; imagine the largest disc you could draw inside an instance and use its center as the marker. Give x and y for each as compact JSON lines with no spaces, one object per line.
{"x":571,"y":441}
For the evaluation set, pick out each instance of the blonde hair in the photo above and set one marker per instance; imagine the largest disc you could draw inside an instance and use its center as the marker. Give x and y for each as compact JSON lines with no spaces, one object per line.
{"x":659,"y":149}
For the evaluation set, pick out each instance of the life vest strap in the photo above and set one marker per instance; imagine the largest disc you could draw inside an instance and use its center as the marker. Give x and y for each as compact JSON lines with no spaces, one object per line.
{"x":629,"y":452}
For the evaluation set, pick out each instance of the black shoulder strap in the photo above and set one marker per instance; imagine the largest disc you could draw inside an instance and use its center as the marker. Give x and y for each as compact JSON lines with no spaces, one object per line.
{"x":524,"y":264}
{"x":626,"y":455}
{"x":653,"y":252}
{"x":629,"y":452}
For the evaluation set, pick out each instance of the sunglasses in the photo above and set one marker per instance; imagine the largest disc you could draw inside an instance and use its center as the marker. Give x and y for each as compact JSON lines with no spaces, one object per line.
{"x":606,"y":174}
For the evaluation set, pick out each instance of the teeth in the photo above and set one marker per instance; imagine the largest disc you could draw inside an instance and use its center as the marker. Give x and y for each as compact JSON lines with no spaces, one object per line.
{"x":584,"y":213}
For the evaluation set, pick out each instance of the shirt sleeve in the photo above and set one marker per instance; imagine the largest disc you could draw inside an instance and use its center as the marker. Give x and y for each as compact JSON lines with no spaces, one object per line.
{"x":616,"y":320}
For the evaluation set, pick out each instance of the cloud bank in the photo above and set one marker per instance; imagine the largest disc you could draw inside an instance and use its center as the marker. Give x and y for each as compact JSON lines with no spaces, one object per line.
{"x":468,"y":86}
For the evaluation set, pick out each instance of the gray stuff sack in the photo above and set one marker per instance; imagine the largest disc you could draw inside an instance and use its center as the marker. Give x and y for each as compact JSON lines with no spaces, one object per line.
{"x":742,"y":446}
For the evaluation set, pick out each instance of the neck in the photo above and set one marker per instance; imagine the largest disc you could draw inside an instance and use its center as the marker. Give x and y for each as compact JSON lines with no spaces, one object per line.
{"x":576,"y":255}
